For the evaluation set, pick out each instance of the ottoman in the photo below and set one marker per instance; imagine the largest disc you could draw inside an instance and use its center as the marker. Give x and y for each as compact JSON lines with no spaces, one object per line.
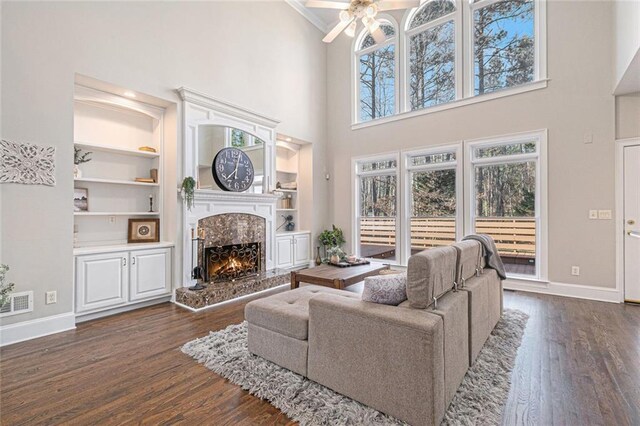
{"x":278,"y":326}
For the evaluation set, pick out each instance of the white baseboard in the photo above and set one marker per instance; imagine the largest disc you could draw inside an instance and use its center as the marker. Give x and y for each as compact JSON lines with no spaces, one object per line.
{"x":80,"y":317}
{"x":578,"y":291}
{"x":246,"y":297}
{"x":27,"y":330}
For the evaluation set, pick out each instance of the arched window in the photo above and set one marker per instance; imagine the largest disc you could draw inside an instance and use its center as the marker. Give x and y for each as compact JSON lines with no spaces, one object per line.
{"x":431,"y":54}
{"x":376,"y":74}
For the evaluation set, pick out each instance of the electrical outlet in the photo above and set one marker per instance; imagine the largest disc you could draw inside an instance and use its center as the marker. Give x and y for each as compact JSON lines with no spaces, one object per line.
{"x":593,"y":214}
{"x":112,"y":219}
{"x":52,"y":297}
{"x":588,"y":138}
{"x":604,"y":214}
{"x":575,"y":270}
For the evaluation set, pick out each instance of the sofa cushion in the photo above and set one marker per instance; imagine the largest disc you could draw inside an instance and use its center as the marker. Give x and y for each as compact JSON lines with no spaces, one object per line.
{"x":469,"y":260}
{"x":288,"y":312}
{"x":385,"y":289}
{"x":430,"y":274}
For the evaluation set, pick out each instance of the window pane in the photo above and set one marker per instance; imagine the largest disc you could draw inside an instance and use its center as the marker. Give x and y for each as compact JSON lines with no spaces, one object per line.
{"x":510,"y":149}
{"x":378,"y":196}
{"x":368,"y":40}
{"x":378,"y":237}
{"x":377,"y":165}
{"x":505,"y":209}
{"x":432,"y":10}
{"x":504,"y":45}
{"x":422,"y":160}
{"x":433,"y":209}
{"x":377,"y":83}
{"x":378,"y":211}
{"x":431,"y":63}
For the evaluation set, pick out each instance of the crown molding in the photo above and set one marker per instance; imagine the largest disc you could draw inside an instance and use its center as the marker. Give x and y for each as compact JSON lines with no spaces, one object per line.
{"x":299,"y":7}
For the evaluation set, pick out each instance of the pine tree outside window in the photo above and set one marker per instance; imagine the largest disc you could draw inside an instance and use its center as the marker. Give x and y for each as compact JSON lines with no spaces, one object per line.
{"x":376,"y":68}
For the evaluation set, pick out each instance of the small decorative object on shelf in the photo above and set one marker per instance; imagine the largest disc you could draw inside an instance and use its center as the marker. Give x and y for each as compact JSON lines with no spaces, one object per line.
{"x":154,"y":175}
{"x":147,"y":149}
{"x":187,"y":189}
{"x":80,"y":200}
{"x":150,"y":203}
{"x":318,"y":258}
{"x":79,"y":158}
{"x":5,"y":288}
{"x":288,"y":223}
{"x":144,"y":231}
{"x":287,"y":202}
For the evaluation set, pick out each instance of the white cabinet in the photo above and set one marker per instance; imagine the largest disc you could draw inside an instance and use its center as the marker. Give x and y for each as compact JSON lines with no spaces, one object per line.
{"x":101,"y":280}
{"x":150,"y":273}
{"x":293,"y":249}
{"x":120,"y":278}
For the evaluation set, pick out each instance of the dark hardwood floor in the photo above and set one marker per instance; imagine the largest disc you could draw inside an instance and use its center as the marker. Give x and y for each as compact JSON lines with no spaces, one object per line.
{"x":579,"y":364}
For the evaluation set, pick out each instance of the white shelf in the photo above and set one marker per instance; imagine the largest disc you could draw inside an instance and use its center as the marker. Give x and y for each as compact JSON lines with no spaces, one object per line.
{"x":290,"y":172}
{"x":285,"y":190}
{"x":116,"y":213}
{"x":119,"y":247}
{"x":116,"y":150}
{"x":114,"y":181}
{"x":287,"y":210}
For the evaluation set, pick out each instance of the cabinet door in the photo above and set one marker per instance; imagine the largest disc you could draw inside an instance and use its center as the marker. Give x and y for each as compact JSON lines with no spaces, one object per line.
{"x":150,"y":273}
{"x":284,"y":251}
{"x":301,"y":249}
{"x":101,"y":280}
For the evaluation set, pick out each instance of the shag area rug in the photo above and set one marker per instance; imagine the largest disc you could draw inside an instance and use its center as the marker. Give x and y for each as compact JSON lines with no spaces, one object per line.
{"x":479,"y":399}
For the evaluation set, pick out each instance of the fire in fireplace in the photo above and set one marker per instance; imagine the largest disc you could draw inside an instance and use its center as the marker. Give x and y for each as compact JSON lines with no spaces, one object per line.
{"x":230,"y":262}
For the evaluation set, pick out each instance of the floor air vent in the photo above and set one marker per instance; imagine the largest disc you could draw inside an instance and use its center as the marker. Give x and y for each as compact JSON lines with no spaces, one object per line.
{"x":18,"y":303}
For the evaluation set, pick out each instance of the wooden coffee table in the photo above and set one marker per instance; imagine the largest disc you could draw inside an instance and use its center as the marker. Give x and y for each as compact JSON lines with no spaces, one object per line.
{"x":333,"y":276}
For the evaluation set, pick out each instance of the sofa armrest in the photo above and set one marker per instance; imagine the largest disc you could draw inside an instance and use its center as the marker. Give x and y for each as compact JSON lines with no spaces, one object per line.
{"x":387,"y":357}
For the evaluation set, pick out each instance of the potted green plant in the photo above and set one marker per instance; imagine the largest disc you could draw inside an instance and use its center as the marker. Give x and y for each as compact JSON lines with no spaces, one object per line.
{"x":331,"y":238}
{"x":187,"y":189}
{"x":5,"y":288}
{"x":79,"y":158}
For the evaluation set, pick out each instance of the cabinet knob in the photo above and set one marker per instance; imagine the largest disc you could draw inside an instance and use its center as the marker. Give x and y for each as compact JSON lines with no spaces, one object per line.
{"x":124,"y":261}
{"x":133,"y":260}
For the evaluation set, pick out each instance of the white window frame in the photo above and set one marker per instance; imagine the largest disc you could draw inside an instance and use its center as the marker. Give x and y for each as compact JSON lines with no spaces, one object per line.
{"x":540,"y":45}
{"x":407,"y":33}
{"x":355,"y":68}
{"x":355,"y":198}
{"x":541,"y":214}
{"x":457,"y":165}
{"x":463,"y":68}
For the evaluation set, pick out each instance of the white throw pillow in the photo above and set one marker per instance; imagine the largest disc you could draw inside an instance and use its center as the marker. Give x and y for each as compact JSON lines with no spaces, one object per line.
{"x":385,"y":289}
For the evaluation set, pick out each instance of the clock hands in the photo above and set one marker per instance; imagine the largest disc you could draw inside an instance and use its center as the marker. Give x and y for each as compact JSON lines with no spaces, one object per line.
{"x":235,"y":171}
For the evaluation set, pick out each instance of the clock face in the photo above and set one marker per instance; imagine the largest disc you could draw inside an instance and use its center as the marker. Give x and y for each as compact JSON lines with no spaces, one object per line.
{"x":232,"y":170}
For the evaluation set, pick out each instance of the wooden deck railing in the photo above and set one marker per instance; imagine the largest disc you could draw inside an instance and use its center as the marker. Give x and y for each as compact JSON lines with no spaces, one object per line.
{"x":513,"y":236}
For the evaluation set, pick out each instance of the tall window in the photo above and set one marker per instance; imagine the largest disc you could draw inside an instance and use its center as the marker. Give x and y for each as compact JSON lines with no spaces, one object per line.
{"x":432,"y":187}
{"x":503,"y":44}
{"x":506,"y":194}
{"x":376,"y":64}
{"x":431,"y":48}
{"x":377,"y":187}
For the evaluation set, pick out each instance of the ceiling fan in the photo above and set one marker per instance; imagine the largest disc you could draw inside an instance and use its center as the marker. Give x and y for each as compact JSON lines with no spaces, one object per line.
{"x":364,"y":10}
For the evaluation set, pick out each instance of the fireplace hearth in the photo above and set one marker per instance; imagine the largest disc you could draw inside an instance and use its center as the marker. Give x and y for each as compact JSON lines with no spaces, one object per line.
{"x":231,"y":262}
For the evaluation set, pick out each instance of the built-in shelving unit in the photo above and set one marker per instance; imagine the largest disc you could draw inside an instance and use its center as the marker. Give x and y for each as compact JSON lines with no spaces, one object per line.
{"x":125,"y":139}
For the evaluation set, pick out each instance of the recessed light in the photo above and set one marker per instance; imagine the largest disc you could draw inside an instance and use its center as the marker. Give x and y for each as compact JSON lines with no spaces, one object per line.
{"x":129,"y":94}
{"x":288,"y":139}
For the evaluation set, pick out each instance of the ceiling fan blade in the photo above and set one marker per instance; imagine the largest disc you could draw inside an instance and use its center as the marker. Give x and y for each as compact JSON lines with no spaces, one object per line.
{"x":397,"y":4}
{"x":336,"y":31}
{"x":378,"y":35}
{"x":327,"y":4}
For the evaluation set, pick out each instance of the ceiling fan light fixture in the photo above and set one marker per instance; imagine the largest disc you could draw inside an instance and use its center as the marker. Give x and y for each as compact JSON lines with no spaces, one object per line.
{"x":351,"y":29}
{"x":344,"y":16}
{"x":372,"y":10}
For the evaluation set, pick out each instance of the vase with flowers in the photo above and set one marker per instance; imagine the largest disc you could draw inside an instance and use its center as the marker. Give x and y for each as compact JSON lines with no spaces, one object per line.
{"x":79,"y":158}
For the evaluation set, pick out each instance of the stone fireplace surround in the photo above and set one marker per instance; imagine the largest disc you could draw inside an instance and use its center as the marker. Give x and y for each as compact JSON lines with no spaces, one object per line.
{"x":229,"y":217}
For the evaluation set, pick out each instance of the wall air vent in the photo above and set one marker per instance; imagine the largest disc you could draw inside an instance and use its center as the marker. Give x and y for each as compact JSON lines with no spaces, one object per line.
{"x":19,"y":303}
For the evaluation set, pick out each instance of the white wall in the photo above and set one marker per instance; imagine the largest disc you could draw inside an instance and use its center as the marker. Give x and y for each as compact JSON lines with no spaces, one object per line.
{"x":577,"y":101}
{"x":628,"y":116}
{"x":260,"y":55}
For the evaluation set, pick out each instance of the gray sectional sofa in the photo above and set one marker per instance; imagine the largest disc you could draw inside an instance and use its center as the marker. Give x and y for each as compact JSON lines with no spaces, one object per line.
{"x":407,"y":360}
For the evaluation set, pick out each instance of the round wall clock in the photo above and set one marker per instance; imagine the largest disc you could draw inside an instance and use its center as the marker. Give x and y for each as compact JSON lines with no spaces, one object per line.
{"x":232,"y":170}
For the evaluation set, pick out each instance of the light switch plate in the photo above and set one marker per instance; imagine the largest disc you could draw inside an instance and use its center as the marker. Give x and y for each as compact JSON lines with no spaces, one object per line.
{"x":588,"y":138}
{"x":593,"y":214}
{"x":575,"y":270}
{"x":52,"y":297}
{"x":604,"y":214}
